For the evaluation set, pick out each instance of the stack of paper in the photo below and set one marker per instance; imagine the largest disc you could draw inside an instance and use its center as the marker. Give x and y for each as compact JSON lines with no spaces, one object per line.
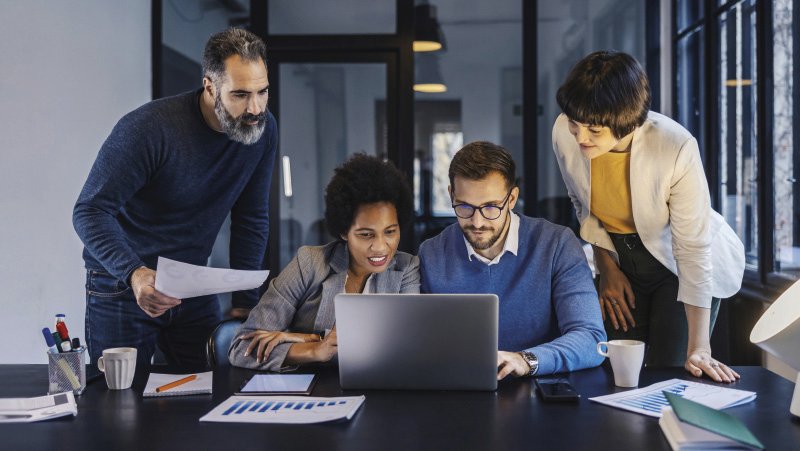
{"x":26,"y":410}
{"x":692,"y":426}
{"x":650,"y":400}
{"x":200,"y":386}
{"x":284,"y":409}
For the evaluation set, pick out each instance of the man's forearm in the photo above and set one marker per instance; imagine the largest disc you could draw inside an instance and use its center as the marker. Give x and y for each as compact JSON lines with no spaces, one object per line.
{"x":104,"y":240}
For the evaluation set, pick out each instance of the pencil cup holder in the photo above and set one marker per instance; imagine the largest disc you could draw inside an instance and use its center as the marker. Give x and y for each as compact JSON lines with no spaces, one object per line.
{"x":67,"y":372}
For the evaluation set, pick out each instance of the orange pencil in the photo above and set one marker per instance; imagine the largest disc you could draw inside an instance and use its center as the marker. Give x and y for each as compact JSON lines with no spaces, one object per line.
{"x":174,"y":384}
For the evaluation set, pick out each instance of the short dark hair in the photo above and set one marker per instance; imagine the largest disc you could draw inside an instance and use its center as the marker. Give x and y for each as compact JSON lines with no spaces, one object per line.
{"x":223,"y":45}
{"x":365,"y":179}
{"x":606,"y":88}
{"x":477,"y":159}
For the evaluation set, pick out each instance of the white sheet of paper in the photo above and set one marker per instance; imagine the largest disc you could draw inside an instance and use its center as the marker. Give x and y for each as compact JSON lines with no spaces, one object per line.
{"x":284,"y":409}
{"x":27,"y":410}
{"x":204,"y":384}
{"x":182,"y":280}
{"x":649,"y":400}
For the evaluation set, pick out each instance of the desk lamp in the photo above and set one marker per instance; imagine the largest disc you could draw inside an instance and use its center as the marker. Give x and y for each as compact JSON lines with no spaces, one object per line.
{"x":778,"y":332}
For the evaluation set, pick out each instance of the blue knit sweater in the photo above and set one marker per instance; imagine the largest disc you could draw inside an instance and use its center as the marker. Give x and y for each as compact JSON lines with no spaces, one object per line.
{"x":548,"y":303}
{"x":162,"y":185}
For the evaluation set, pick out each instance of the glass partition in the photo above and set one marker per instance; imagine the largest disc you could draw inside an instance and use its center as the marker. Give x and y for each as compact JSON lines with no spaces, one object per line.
{"x":568,"y":30}
{"x":330,"y":112}
{"x":481,"y":69}
{"x":315,"y":17}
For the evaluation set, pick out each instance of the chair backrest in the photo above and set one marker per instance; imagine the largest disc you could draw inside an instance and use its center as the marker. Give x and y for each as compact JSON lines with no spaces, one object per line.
{"x":220,"y":341}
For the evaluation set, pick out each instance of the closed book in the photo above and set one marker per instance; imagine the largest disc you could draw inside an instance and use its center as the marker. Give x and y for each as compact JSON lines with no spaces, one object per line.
{"x":689,"y":425}
{"x":199,"y":386}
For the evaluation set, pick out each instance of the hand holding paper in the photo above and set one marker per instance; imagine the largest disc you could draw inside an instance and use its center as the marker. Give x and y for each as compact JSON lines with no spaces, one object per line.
{"x":182,"y":280}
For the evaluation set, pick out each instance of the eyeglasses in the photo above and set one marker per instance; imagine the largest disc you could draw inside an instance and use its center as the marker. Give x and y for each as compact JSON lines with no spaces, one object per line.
{"x":490,"y":212}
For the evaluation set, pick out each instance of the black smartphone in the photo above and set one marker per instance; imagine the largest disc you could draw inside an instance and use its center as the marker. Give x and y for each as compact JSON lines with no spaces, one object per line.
{"x":556,"y":389}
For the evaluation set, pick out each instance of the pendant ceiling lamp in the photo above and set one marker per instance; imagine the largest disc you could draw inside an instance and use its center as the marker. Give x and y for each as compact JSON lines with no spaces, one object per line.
{"x":428,"y":36}
{"x":427,"y":76}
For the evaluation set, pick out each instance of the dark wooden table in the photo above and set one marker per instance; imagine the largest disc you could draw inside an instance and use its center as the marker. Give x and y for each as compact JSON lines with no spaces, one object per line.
{"x":511,"y":418}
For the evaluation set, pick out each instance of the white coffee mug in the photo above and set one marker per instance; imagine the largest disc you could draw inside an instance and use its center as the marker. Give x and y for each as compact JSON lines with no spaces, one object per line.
{"x":626,"y":360}
{"x":119,"y":364}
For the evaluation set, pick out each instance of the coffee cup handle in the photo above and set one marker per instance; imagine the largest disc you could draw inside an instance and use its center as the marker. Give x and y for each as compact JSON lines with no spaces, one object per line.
{"x":101,"y":365}
{"x":599,"y":349}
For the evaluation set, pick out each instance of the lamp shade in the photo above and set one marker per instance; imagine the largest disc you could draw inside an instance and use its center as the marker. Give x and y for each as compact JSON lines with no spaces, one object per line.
{"x":427,"y":77}
{"x":778,"y":329}
{"x":778,"y":332}
{"x":428,"y":36}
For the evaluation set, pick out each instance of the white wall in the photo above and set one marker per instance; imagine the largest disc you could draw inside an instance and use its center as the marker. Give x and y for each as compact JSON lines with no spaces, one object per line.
{"x":70,"y":71}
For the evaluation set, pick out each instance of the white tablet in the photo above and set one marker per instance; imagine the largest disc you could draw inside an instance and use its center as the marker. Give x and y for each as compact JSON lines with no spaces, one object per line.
{"x":272,"y":384}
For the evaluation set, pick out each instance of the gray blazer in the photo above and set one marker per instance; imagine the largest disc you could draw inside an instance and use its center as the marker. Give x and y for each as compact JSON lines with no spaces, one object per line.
{"x":300,"y":299}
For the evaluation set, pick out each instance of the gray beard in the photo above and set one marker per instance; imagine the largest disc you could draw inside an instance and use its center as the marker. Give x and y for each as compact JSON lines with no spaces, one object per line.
{"x":235,"y":128}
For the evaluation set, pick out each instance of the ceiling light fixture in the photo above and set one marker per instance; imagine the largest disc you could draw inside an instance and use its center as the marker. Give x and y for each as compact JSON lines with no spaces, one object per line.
{"x":427,"y":76}
{"x":428,"y":36}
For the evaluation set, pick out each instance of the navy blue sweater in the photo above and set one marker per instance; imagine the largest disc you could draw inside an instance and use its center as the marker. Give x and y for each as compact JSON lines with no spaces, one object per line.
{"x":548,"y":303}
{"x":162,"y":185}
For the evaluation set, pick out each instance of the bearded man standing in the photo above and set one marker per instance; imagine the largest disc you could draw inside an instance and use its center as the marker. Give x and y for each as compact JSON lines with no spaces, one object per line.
{"x":162,"y":185}
{"x":549,"y":318}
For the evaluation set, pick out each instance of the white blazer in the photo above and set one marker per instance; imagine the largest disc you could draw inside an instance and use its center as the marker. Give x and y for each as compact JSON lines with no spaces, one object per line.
{"x":671,"y":208}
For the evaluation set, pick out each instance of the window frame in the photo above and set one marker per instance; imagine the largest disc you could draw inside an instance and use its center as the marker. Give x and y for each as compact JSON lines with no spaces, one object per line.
{"x":763,"y":283}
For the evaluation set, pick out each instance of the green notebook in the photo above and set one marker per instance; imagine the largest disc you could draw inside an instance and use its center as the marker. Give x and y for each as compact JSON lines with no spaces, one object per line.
{"x":712,"y":420}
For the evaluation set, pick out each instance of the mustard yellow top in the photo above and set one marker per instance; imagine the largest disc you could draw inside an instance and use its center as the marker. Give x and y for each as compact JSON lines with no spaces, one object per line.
{"x":611,"y":192}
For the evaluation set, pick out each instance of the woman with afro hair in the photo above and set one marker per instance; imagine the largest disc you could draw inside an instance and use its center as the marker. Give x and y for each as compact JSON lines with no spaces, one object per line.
{"x":367,"y":203}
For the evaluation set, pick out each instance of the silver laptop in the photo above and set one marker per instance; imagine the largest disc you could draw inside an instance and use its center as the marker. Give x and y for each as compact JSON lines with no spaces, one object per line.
{"x":417,"y":341}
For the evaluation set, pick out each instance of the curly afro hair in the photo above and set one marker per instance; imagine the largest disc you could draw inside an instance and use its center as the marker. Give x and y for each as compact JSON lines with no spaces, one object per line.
{"x":365,"y":179}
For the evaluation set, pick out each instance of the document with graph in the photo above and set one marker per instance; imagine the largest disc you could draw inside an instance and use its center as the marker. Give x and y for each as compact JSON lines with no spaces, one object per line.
{"x":284,"y":409}
{"x":649,"y":400}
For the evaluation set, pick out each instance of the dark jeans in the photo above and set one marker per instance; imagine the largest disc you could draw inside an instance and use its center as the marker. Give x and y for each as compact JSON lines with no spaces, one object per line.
{"x":113,"y":319}
{"x":660,"y":318}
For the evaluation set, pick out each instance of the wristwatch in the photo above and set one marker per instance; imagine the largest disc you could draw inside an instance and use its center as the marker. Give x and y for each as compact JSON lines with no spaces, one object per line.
{"x":532,"y":361}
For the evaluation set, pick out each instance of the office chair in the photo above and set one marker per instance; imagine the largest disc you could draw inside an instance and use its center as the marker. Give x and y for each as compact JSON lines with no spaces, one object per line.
{"x":220,"y":341}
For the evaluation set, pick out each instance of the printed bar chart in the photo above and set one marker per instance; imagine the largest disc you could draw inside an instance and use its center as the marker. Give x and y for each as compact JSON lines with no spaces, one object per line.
{"x":284,"y":409}
{"x":653,"y":401}
{"x":650,"y":400}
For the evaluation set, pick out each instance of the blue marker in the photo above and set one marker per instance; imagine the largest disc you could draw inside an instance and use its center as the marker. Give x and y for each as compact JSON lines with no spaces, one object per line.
{"x":48,"y":338}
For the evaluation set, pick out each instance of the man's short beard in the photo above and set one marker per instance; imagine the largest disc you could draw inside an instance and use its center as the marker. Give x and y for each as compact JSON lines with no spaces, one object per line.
{"x":480,"y":246}
{"x":236,"y":128}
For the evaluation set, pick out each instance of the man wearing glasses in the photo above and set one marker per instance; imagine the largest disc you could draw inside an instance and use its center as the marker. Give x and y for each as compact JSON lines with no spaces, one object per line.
{"x":549,"y":316}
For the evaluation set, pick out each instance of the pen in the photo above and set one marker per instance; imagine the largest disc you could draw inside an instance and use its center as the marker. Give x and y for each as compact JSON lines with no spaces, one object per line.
{"x":48,"y":338}
{"x":57,"y":340}
{"x":176,"y":383}
{"x":14,"y":416}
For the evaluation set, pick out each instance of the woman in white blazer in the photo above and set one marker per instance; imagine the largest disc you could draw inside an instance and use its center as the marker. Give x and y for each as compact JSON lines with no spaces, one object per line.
{"x":637,"y":183}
